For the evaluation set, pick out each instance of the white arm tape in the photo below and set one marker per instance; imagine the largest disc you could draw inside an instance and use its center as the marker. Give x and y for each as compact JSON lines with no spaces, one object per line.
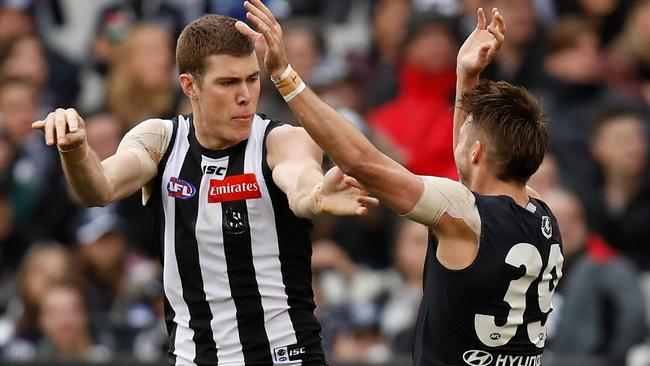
{"x":442,"y":195}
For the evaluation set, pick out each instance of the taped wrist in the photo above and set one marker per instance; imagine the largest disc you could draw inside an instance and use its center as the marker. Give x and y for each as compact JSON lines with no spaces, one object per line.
{"x":289,"y":84}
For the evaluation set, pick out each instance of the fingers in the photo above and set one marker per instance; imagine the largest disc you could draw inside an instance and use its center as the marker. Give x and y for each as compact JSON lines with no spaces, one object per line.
{"x":246,"y":30}
{"x":262,"y":27}
{"x":349,"y":181}
{"x":60,"y":125}
{"x":260,"y":5}
{"x":49,"y":129}
{"x":261,"y":11}
{"x":497,"y":26}
{"x":361,"y":211}
{"x":72,"y":119}
{"x":38,"y":125}
{"x":482,"y":22}
{"x":368,"y":201}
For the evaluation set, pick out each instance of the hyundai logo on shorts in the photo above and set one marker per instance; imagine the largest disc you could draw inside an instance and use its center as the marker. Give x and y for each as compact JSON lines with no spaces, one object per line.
{"x":179,"y":188}
{"x":477,"y":358}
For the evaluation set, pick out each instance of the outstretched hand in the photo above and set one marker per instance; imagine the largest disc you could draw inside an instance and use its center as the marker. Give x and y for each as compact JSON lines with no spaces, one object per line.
{"x":268,"y":41}
{"x":343,"y":195}
{"x":482,"y":45}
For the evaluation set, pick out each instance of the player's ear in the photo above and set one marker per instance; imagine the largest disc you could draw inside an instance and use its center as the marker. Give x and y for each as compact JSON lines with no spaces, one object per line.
{"x":477,"y":152}
{"x":189,"y":85}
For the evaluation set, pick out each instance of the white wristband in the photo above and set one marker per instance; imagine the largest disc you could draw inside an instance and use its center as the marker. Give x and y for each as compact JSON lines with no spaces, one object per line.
{"x":294,"y":93}
{"x":284,"y":74}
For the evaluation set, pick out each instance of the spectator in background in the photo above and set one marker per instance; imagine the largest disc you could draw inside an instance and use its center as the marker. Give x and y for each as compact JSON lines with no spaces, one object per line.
{"x":30,"y":158}
{"x":600,"y":309}
{"x":572,"y":90}
{"x":104,"y":133}
{"x":116,"y":278}
{"x":389,"y":20}
{"x":43,"y":266}
{"x":629,"y":56}
{"x":547,"y":176}
{"x":14,"y":22}
{"x":520,"y":59}
{"x":400,"y":311}
{"x":619,"y":207}
{"x":380,"y":306}
{"x":112,"y":27}
{"x":140,"y":83}
{"x":23,"y":56}
{"x":605,"y":16}
{"x":63,"y":317}
{"x":419,"y":120}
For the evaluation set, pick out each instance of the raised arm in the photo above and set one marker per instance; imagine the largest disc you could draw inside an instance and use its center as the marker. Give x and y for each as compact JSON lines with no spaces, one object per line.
{"x":475,"y":54}
{"x":352,"y":152}
{"x":95,"y":183}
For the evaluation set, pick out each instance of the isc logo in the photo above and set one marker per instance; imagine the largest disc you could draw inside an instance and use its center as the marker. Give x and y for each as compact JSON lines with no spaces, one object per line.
{"x":216,"y":170}
{"x":179,"y":188}
{"x":297,"y":351}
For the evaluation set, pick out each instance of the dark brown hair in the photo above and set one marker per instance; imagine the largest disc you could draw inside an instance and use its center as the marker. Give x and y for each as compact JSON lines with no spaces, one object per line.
{"x":206,"y":36}
{"x":514,"y":125}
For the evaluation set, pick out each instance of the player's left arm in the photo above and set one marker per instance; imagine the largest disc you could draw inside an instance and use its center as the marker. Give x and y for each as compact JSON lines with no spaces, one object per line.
{"x":295,"y":161}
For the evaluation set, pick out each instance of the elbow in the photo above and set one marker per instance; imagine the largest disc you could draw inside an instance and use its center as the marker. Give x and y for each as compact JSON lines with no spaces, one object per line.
{"x":94,"y":202}
{"x":357,"y":164}
{"x":99,"y":200}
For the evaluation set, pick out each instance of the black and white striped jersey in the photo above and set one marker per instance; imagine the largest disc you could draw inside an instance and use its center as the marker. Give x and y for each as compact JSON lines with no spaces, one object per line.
{"x":236,"y":260}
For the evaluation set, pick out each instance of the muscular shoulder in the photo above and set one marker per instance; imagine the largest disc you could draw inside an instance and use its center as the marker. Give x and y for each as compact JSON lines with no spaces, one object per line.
{"x":287,"y":142}
{"x":153,"y":135}
{"x":445,"y":196}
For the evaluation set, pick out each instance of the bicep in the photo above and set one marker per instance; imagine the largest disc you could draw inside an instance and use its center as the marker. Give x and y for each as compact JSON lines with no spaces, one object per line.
{"x":127,"y":172}
{"x":291,"y":153}
{"x":136,"y":161}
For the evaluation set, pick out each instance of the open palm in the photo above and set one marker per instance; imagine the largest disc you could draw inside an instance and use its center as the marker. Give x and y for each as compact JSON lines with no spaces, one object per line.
{"x":342,"y":195}
{"x":482,"y":45}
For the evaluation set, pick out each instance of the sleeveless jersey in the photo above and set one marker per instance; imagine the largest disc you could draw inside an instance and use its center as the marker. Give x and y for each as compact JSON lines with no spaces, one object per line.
{"x":236,"y":260}
{"x":494,"y":312}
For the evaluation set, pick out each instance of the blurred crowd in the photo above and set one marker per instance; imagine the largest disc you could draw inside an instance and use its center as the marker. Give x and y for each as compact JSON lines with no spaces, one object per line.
{"x":84,"y":283}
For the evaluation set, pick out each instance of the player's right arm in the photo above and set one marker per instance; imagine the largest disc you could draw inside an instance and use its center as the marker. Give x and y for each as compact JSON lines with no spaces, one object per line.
{"x":96,"y":183}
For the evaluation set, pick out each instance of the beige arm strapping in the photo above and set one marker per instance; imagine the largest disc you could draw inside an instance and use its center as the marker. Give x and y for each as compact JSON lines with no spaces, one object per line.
{"x":148,"y":141}
{"x":442,"y":195}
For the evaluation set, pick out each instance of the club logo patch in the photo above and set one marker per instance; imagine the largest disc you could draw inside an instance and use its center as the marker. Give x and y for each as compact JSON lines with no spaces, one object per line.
{"x":179,"y":188}
{"x":235,"y":221}
{"x":234,"y":188}
{"x":547,"y":228}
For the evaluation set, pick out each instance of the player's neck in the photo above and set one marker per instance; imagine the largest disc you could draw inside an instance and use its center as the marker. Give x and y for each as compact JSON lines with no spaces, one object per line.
{"x":491,"y":186}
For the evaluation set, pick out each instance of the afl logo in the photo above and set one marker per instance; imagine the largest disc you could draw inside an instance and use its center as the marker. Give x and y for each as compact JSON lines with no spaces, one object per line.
{"x":477,"y":358}
{"x":547,"y":228}
{"x":179,"y":188}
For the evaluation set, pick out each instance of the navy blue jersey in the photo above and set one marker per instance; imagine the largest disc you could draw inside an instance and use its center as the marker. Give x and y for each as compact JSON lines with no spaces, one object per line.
{"x":493,"y":312}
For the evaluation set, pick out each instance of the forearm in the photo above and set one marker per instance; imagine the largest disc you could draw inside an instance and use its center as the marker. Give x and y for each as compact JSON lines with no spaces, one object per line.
{"x":342,"y":141}
{"x":85,"y":175}
{"x":303,"y":197}
{"x":464,"y":82}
